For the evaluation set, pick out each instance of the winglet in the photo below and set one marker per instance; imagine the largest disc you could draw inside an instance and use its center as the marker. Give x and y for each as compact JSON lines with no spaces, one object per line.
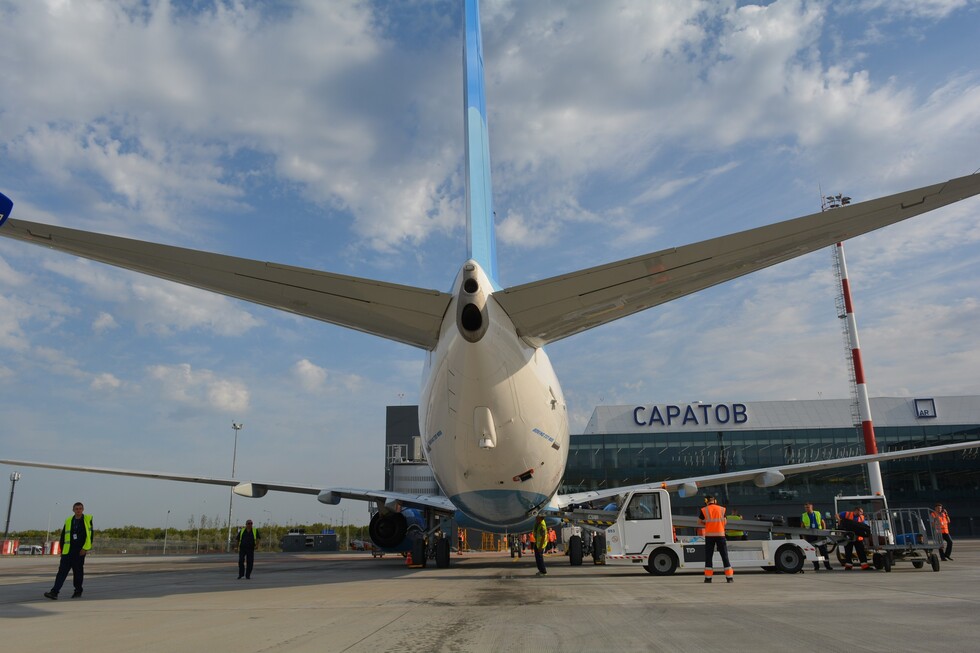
{"x":6,"y":206}
{"x":480,"y":239}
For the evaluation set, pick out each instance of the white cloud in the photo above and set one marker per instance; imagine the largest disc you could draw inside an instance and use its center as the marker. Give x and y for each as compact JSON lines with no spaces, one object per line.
{"x":311,"y":377}
{"x":105,"y":381}
{"x":104,"y":322}
{"x":198,"y":389}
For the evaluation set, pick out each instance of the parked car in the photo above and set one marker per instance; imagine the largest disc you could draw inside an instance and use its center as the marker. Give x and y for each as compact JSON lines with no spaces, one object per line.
{"x":29,"y":549}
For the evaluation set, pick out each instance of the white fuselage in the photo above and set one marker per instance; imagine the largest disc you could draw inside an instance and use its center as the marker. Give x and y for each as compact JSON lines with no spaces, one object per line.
{"x":492,"y":415}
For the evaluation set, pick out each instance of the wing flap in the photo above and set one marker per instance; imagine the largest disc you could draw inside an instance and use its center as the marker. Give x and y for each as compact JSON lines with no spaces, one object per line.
{"x":555,"y":308}
{"x":402,"y":313}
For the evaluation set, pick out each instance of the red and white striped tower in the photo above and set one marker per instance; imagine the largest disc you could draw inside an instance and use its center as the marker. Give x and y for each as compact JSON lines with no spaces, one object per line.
{"x":864,"y":405}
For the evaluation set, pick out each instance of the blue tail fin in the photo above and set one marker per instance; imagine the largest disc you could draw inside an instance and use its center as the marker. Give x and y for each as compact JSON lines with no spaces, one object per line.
{"x":481,"y":243}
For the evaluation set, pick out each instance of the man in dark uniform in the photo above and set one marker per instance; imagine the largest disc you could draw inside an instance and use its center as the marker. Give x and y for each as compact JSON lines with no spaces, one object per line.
{"x":247,"y":537}
{"x":76,"y":540}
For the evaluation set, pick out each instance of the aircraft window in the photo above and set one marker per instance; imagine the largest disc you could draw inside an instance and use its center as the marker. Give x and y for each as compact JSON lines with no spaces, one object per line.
{"x":644,"y":506}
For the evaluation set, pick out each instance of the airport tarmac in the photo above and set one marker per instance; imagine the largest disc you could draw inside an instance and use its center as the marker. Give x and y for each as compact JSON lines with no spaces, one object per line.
{"x":483,"y":602}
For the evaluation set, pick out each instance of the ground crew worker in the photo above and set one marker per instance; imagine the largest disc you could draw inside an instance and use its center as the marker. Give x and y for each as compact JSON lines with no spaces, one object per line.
{"x":712,"y":519}
{"x":248,"y":537}
{"x":540,"y":539}
{"x":814,"y":520}
{"x":76,"y":541}
{"x":734,"y":515}
{"x":552,"y":540}
{"x":941,"y":518}
{"x":858,"y":545}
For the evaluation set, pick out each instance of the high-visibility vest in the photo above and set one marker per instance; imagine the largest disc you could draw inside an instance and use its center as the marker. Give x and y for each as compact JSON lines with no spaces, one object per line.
{"x":540,"y":535}
{"x":943,"y":519}
{"x":812,"y":520}
{"x":66,"y":538}
{"x":731,"y":533}
{"x":255,"y":536}
{"x":713,"y":518}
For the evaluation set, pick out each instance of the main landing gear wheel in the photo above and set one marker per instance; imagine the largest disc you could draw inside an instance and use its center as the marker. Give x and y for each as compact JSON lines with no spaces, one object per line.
{"x":575,"y":550}
{"x":663,"y":562}
{"x":598,"y":549}
{"x":789,"y":559}
{"x":442,"y":553}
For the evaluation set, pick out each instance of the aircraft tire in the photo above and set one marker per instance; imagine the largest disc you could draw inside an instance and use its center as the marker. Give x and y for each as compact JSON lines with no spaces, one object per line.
{"x":575,"y":550}
{"x":442,"y":553}
{"x":599,"y":549}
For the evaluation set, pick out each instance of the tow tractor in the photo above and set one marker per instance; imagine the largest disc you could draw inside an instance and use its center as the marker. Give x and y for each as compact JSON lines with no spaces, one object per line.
{"x":642,"y":532}
{"x":896,"y":534}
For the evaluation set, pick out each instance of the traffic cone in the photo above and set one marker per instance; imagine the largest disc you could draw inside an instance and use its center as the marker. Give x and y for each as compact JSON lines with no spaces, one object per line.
{"x":408,"y":559}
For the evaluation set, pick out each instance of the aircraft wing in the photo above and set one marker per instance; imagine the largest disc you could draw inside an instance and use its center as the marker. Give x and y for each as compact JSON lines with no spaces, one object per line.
{"x":403,"y":313}
{"x":551,"y":309}
{"x":256,"y":489}
{"x":243,"y":488}
{"x":763,"y":477}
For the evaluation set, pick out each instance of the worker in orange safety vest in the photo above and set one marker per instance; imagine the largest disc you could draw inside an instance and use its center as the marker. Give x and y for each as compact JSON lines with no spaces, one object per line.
{"x":856,"y":516}
{"x":712,"y":520}
{"x":941,"y":519}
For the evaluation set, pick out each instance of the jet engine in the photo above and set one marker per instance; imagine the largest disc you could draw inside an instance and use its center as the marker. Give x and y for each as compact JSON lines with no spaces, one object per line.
{"x":393,"y":531}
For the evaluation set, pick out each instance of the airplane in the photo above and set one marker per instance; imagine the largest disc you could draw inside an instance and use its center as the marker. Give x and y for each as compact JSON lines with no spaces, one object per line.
{"x":492,"y":415}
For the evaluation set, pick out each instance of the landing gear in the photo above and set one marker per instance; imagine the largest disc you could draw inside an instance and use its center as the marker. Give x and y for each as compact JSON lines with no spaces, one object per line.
{"x":575,"y":550}
{"x":442,"y":553}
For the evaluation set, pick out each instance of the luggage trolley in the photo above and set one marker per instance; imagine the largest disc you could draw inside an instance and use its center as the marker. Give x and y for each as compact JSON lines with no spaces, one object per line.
{"x":894,"y":534}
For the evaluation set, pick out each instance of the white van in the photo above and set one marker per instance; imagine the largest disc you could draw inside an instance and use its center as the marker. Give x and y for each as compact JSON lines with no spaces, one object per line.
{"x":29,"y":550}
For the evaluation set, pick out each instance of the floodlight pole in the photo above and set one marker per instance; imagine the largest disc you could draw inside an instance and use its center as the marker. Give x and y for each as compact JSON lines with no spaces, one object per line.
{"x":231,"y":493}
{"x":14,"y":477}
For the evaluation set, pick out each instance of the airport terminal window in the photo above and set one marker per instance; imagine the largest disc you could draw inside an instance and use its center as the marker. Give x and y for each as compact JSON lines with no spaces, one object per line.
{"x":644,"y":506}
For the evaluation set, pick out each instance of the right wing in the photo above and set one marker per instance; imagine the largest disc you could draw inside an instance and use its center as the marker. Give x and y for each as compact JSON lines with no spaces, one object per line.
{"x":402,"y":313}
{"x":551,"y":309}
{"x":762,"y":477}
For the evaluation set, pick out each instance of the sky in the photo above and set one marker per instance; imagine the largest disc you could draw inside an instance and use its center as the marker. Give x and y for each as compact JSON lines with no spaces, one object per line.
{"x":330,"y":136}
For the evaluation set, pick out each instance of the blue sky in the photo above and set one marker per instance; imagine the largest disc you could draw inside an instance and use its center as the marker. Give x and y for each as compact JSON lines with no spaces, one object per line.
{"x":329,"y":135}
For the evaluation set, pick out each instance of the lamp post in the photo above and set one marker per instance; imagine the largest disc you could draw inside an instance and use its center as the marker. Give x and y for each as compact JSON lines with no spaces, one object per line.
{"x":231,"y":492}
{"x":166,"y":531}
{"x":343,"y":520}
{"x":14,"y":477}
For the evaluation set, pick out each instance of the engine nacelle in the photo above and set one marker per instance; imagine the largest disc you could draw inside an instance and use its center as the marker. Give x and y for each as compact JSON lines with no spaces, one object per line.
{"x":687,"y":490}
{"x":393,"y":531}
{"x":768,"y":479}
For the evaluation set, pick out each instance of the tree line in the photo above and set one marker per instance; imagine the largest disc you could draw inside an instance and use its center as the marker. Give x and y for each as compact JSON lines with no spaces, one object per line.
{"x":212,"y":533}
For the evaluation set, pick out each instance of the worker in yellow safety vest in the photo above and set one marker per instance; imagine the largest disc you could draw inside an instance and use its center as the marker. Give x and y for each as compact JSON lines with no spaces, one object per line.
{"x":712,"y":520}
{"x":813,"y":520}
{"x":540,"y":538}
{"x":734,"y":515}
{"x":76,"y":541}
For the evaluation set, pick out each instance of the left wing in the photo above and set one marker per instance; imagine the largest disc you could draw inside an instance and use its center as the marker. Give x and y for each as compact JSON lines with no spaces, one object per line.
{"x":389,"y":310}
{"x":256,"y":489}
{"x":551,"y":309}
{"x":245,"y":489}
{"x":764,"y":477}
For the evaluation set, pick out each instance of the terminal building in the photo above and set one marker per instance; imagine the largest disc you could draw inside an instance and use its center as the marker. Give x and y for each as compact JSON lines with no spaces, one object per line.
{"x":626,"y":445}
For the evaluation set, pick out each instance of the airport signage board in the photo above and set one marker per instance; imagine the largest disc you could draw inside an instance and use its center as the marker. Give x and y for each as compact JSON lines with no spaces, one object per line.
{"x":699,"y":414}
